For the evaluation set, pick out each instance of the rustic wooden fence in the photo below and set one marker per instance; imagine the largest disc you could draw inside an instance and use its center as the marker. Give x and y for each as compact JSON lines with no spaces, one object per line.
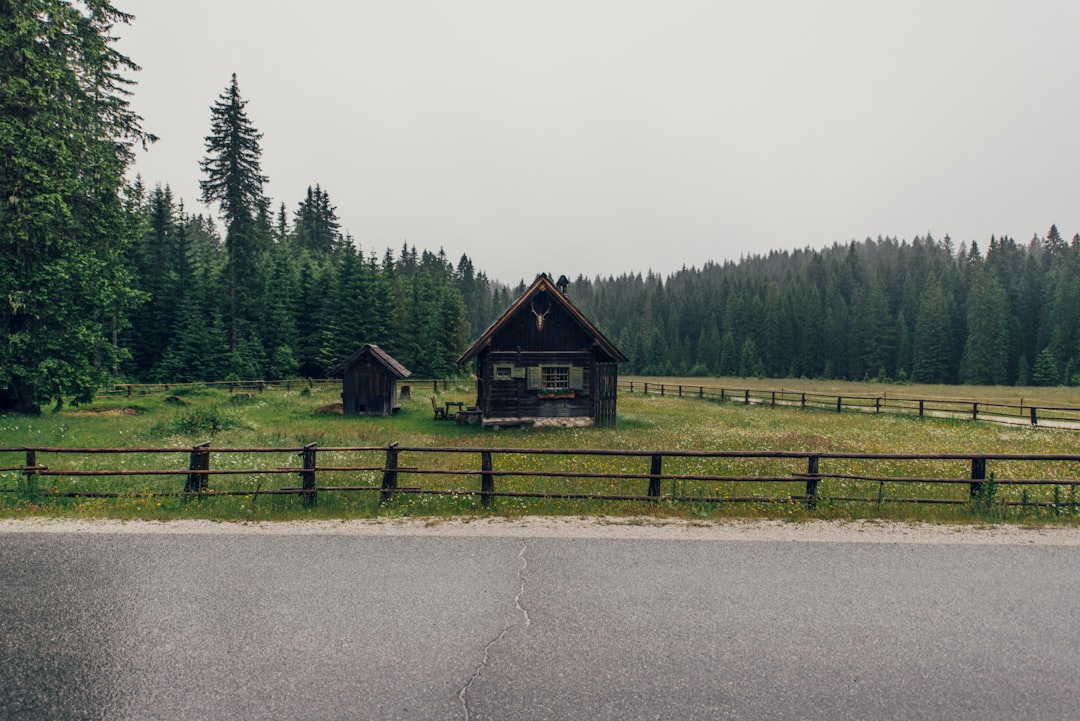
{"x":643,"y":475}
{"x":1015,"y":414}
{"x":1048,"y":416}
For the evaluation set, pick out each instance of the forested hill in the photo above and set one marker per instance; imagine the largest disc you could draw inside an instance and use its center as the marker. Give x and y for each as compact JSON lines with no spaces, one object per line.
{"x":882,"y":309}
{"x":309,"y":298}
{"x":924,"y":310}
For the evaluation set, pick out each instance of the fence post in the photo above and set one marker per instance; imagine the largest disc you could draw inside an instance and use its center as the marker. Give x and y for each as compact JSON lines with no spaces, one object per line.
{"x":1034,"y":417}
{"x":922,"y":405}
{"x":722,"y":391}
{"x":978,"y":473}
{"x":200,"y":461}
{"x":662,"y":389}
{"x":803,"y":402}
{"x":680,"y":391}
{"x":389,"y":476}
{"x":812,"y":465}
{"x":30,"y":470}
{"x":308,"y":475}
{"x":656,"y":469}
{"x":631,"y":386}
{"x":974,"y":411}
{"x":487,"y":480}
{"x":701,"y":391}
{"x":839,"y":404}
{"x":877,"y":405}
{"x":646,"y":391}
{"x":773,"y":398}
{"x":746,"y":397}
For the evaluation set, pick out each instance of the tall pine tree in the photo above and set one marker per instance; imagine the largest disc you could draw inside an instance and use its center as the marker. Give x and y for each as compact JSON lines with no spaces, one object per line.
{"x":234,"y":181}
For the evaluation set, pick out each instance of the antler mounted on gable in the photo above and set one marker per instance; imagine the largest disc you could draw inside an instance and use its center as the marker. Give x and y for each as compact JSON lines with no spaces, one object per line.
{"x":540,"y":316}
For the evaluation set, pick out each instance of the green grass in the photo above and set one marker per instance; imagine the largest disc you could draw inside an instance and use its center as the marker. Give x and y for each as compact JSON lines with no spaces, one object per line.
{"x":287,"y":419}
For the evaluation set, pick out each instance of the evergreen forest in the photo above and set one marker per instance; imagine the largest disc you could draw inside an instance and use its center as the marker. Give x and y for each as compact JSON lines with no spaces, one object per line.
{"x":107,"y":280}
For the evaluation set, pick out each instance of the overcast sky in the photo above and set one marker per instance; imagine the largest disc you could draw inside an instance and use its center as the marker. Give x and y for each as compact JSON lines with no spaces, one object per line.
{"x":598,"y":138}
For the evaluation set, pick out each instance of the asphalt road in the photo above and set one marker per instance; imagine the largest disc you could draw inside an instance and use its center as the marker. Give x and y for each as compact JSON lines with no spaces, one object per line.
{"x":203,"y":626}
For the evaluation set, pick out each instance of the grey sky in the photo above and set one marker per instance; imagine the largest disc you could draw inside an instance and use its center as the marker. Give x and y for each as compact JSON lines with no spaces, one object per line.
{"x":605,"y":137}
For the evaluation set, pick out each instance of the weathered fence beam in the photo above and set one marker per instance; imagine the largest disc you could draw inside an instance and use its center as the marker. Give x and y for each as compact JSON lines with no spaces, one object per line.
{"x":655,"y":470}
{"x":389,"y":478}
{"x":978,"y":474}
{"x":307,"y":476}
{"x":812,"y":471}
{"x":487,"y":479}
{"x":199,"y":461}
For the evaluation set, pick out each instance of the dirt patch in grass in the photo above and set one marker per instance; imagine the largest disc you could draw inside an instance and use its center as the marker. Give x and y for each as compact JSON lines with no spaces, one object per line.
{"x":106,"y":412}
{"x":334,"y":409}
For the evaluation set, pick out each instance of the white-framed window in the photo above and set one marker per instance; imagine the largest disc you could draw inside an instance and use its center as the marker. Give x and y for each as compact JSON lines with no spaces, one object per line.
{"x":554,"y":378}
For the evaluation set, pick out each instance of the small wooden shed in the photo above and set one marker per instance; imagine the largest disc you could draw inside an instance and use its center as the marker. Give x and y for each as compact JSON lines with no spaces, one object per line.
{"x":544,"y":363}
{"x":369,"y":382}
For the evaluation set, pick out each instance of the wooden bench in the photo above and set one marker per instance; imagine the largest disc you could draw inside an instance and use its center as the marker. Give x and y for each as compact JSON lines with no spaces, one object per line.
{"x":440,"y":413}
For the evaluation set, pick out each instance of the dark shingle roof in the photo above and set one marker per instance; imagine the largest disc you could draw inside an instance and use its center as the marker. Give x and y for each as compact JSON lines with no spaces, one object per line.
{"x":542,"y":284}
{"x":379,"y":354}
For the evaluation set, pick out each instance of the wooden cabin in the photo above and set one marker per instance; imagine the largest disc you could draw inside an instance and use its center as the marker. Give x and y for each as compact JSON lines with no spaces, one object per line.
{"x":544,"y":363}
{"x":369,"y":382}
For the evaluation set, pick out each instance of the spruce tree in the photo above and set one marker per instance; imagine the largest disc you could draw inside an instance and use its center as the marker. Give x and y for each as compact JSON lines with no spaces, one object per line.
{"x":66,"y":138}
{"x":985,"y":359}
{"x":932,"y":351}
{"x":1045,"y":372}
{"x":234,"y":181}
{"x":316,"y":226}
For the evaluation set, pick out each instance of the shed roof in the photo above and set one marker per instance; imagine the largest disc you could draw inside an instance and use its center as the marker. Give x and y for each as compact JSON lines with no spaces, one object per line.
{"x":542,"y":284}
{"x":384,"y":358}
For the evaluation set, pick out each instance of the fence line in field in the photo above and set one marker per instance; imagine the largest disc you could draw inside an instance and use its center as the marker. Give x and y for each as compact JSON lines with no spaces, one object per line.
{"x":1067,"y":417}
{"x":808,"y":471}
{"x":1048,"y":416}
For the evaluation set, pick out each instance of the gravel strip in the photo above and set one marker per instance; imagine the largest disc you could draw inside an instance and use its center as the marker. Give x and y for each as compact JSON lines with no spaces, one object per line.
{"x":859,"y":531}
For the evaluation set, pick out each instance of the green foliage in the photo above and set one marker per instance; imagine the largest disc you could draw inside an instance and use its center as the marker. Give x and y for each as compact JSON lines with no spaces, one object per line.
{"x":66,"y":131}
{"x":1046,"y":371}
{"x":201,"y":421}
{"x":985,"y":360}
{"x":932,"y":353}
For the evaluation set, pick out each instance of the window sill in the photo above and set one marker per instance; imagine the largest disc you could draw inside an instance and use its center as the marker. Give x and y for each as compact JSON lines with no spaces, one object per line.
{"x":555,"y":394}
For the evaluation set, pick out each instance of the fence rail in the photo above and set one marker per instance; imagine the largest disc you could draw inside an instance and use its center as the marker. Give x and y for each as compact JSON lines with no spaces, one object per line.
{"x":683,"y":476}
{"x":1067,"y":417}
{"x":1017,"y":414}
{"x":133,"y":390}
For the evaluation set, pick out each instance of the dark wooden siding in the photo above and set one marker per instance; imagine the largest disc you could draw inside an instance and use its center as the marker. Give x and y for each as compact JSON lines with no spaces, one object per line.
{"x":367,"y":387}
{"x":605,"y":394}
{"x":511,"y":398}
{"x":560,"y":331}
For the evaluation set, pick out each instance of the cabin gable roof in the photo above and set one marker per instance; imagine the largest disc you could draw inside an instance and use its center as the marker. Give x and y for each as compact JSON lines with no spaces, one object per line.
{"x":542,"y":284}
{"x":384,"y":359}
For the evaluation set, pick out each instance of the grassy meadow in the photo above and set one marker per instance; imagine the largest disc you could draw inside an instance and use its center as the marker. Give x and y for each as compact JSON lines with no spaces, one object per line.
{"x":289,"y":419}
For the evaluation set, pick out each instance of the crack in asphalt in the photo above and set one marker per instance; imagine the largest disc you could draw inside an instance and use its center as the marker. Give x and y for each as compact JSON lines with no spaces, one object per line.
{"x":524,"y":623}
